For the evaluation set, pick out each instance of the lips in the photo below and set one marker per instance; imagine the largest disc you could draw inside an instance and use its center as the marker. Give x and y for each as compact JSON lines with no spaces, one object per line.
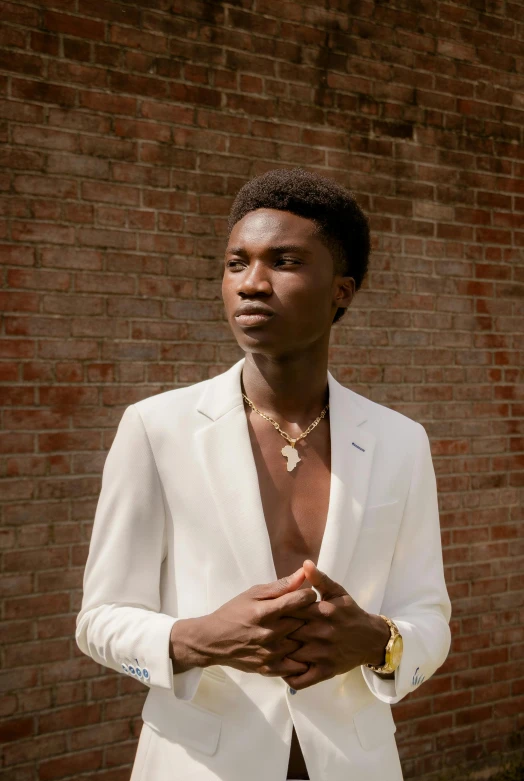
{"x":250,"y":314}
{"x":253,"y":309}
{"x":253,"y":318}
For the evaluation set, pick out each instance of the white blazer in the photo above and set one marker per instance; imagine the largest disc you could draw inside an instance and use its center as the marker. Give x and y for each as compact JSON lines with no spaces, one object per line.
{"x":179,"y":530}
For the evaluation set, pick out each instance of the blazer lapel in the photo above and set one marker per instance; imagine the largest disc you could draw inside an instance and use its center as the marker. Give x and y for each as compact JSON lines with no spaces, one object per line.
{"x":351,"y":461}
{"x":224,"y":450}
{"x":225,"y":453}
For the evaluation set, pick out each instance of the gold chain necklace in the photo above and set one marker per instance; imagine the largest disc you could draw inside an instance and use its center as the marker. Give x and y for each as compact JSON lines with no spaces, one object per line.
{"x":288,"y":451}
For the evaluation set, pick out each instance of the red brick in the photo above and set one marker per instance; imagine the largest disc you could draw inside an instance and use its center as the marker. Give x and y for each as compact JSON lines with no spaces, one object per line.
{"x":73,"y":25}
{"x":74,"y":50}
{"x":20,"y":158}
{"x":38,"y":747}
{"x":42,"y":92}
{"x":70,"y":765}
{"x":29,"y":607}
{"x":138,"y":39}
{"x":21,"y":63}
{"x":40,"y":185}
{"x":150,"y":131}
{"x":17,"y":255}
{"x":39,"y":279}
{"x":42,"y":232}
{"x":16,"y":729}
{"x":107,"y":238}
{"x":139,"y":85}
{"x":116,"y":149}
{"x":110,"y":193}
{"x":77,"y":165}
{"x":46,"y":43}
{"x":113,"y":104}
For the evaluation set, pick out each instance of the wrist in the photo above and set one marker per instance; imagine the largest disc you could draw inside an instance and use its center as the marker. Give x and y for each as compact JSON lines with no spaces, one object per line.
{"x":185,"y":647}
{"x":380,"y":638}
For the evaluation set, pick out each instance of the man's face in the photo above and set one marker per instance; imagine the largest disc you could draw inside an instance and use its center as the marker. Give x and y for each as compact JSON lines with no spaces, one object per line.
{"x":276,"y":259}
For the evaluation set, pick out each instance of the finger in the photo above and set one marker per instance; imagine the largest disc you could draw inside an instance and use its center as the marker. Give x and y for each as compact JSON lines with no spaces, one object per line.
{"x":316,"y":610}
{"x":287,"y":625}
{"x":328,"y":588}
{"x":303,"y":635}
{"x":289,"y":602}
{"x":283,"y":647}
{"x":285,"y":667}
{"x":279,"y":587}
{"x":310,"y":653}
{"x":308,"y":678}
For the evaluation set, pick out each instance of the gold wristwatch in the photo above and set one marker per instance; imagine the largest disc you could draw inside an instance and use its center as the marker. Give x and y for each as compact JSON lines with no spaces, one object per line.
{"x":393,"y":650}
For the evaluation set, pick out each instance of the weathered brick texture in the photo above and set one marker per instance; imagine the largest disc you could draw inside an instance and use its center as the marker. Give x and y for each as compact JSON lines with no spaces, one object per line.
{"x":127,"y":128}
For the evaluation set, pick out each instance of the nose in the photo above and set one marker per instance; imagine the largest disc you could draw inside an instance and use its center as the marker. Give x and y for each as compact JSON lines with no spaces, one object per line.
{"x":255,"y":279}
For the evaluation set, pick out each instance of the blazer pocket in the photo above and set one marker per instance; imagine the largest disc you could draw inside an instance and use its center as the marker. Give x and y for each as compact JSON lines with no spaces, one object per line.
{"x":181,"y":721}
{"x":380,"y":517}
{"x":374,"y":724}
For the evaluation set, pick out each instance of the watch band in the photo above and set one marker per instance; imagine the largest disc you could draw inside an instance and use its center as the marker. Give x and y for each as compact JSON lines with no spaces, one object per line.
{"x":389,"y":666}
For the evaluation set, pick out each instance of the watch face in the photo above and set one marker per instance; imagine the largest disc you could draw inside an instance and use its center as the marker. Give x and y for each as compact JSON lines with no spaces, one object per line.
{"x":395,"y":653}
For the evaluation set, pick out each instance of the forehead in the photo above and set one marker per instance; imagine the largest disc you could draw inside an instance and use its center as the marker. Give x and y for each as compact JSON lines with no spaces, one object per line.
{"x":267,"y":226}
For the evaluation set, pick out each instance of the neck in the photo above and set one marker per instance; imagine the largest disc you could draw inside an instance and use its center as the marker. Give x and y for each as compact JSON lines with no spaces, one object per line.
{"x":294,"y":389}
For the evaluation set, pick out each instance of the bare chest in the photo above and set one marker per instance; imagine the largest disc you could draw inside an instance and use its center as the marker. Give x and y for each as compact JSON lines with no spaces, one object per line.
{"x":295,"y":503}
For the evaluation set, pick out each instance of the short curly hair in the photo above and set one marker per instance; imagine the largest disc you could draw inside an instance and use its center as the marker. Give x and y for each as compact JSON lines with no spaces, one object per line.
{"x":342,"y":225}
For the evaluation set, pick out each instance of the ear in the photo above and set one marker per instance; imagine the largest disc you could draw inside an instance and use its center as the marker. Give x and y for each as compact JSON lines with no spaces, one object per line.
{"x":345,"y":291}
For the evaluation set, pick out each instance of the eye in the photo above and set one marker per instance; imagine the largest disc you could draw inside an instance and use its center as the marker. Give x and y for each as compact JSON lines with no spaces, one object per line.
{"x":235,"y":264}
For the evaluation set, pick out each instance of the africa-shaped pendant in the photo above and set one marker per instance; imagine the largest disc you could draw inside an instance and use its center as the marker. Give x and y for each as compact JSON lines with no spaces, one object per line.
{"x":292,"y":457}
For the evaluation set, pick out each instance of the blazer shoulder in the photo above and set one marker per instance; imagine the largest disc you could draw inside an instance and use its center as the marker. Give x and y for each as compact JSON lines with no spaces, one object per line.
{"x":176,"y":401}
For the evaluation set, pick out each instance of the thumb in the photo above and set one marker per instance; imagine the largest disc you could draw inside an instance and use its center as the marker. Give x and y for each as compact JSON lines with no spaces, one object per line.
{"x":321,"y":582}
{"x":281,"y":586}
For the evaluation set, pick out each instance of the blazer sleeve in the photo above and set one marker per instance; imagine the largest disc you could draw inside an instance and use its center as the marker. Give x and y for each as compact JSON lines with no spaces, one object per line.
{"x":120,"y":624}
{"x":416,"y":597}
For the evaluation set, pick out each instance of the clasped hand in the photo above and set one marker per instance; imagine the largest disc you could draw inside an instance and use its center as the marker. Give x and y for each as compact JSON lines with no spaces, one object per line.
{"x":337,"y":635}
{"x":279,"y":629}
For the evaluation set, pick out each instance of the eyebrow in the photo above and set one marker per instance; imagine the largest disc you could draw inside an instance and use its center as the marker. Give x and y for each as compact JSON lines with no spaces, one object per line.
{"x":274,"y":249}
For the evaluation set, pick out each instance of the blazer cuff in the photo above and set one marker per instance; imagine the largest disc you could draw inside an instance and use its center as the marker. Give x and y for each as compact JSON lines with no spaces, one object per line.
{"x":186,"y":684}
{"x":414,"y":668}
{"x":135,"y":642}
{"x":183,"y":685}
{"x":382,"y":688}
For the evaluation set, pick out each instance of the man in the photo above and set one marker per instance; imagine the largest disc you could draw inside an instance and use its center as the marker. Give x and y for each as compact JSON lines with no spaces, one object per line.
{"x":266,"y":551}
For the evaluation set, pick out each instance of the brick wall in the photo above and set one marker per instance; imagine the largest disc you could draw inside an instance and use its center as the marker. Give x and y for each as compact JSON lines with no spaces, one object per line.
{"x":127,"y":129}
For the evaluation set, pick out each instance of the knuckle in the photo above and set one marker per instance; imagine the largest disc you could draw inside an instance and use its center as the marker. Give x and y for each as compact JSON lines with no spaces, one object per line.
{"x":264,"y":636}
{"x":267,"y":655}
{"x":255,"y":589}
{"x":327,"y":631}
{"x":258,"y":614}
{"x":308,"y":597}
{"x":326,"y":609}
